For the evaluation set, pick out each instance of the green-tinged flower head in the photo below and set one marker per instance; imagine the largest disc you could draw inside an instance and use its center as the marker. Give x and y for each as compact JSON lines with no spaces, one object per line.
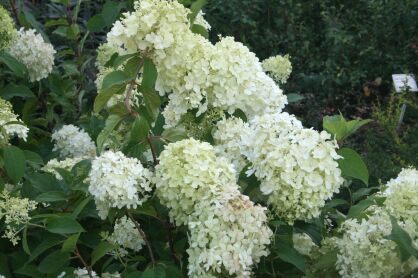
{"x":7,"y":28}
{"x":10,"y":125}
{"x":200,"y":129}
{"x":279,"y":67}
{"x":14,"y":211}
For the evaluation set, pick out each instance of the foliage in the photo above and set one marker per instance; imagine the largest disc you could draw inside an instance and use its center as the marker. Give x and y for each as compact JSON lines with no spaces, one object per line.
{"x":99,"y":177}
{"x":338,"y":49}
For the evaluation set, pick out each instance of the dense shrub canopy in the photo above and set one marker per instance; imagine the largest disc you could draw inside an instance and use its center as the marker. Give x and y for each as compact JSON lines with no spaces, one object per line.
{"x":136,"y":142}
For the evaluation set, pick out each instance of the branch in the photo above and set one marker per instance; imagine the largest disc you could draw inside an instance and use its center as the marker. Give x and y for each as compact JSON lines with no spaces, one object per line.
{"x":88,"y":268}
{"x":14,"y":9}
{"x":153,"y":152}
{"x":144,"y":236}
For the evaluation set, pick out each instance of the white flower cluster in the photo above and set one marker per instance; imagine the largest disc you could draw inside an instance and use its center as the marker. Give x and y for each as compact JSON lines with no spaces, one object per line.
{"x":66,"y":164}
{"x":15,"y":212}
{"x":73,"y":142}
{"x":228,"y":237}
{"x":296,"y":166}
{"x":10,"y":125}
{"x":365,"y":252}
{"x":303,"y":243}
{"x":228,"y":233}
{"x":126,"y":236}
{"x":189,"y":173}
{"x":83,"y":273}
{"x":402,"y":195}
{"x":279,"y":67}
{"x":226,"y":75}
{"x":229,"y":135}
{"x":36,"y":54}
{"x":118,"y":181}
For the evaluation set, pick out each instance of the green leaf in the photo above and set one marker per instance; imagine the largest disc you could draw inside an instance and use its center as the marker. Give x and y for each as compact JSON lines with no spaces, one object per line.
{"x":340,"y":127}
{"x":139,"y":131}
{"x":50,"y":241}
{"x":327,"y":260}
{"x":33,"y":159}
{"x":152,"y":102}
{"x":199,"y":29}
{"x":111,"y":122}
{"x":63,"y":225}
{"x":101,"y":250}
{"x":54,"y":262}
{"x":80,"y":207}
{"x":356,"y":210}
{"x":288,"y":253}
{"x":13,"y":90}
{"x":14,"y":163}
{"x":154,"y":272}
{"x":113,"y":79}
{"x":25,"y":241}
{"x":361,"y":192}
{"x":103,"y":97}
{"x":113,"y":83}
{"x":352,"y":165}
{"x":13,"y":64}
{"x":403,"y":240}
{"x":28,"y":270}
{"x":293,"y":97}
{"x":70,"y":243}
{"x":149,"y":76}
{"x":195,"y":9}
{"x":43,"y":182}
{"x":120,"y":60}
{"x":174,"y":134}
{"x":51,"y":196}
{"x":96,"y":23}
{"x":146,"y":209}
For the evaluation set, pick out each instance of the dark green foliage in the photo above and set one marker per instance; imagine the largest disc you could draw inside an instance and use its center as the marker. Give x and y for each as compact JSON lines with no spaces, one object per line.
{"x":337,"y":47}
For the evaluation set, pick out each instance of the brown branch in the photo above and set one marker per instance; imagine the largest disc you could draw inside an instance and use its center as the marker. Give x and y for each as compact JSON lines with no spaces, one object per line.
{"x":171,"y":241}
{"x":153,"y":152}
{"x":88,"y":268}
{"x":144,"y":237}
{"x":14,"y":9}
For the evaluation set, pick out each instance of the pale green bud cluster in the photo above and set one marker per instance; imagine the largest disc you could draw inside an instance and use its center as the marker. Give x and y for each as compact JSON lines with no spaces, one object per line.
{"x":7,"y":29}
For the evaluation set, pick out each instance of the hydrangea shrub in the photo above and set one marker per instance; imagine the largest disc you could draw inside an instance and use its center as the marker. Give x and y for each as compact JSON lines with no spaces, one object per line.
{"x":183,"y":163}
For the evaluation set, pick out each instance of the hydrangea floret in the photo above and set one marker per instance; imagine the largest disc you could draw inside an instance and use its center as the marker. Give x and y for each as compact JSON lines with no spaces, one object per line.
{"x":10,"y":124}
{"x":365,"y":251}
{"x":126,"y":236}
{"x":66,"y":164}
{"x":228,"y":233}
{"x":279,"y":67}
{"x":303,"y":243}
{"x":402,"y":195}
{"x":229,"y":135}
{"x":227,"y":237}
{"x":15,"y":212}
{"x":297,"y":167}
{"x":7,"y":29}
{"x":37,"y":55}
{"x":117,"y":181}
{"x":189,"y":172}
{"x":73,"y":142}
{"x":225,"y":75}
